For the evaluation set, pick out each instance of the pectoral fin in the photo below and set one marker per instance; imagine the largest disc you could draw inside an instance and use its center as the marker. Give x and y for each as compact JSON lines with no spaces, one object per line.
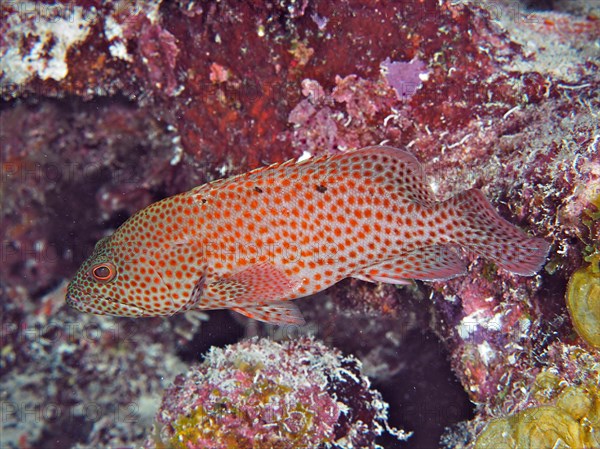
{"x":198,"y":290}
{"x":260,"y":283}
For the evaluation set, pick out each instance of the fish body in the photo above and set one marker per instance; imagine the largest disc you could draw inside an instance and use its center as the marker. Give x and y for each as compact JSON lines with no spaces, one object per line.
{"x":253,"y":242}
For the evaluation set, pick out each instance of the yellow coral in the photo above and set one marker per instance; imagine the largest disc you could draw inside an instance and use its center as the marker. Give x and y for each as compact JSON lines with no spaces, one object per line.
{"x":573,"y":422}
{"x":583,"y":291}
{"x":583,"y":303}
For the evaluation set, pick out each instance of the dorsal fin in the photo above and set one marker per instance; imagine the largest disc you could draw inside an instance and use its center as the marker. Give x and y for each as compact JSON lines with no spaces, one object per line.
{"x":409,"y":173}
{"x":252,"y":174}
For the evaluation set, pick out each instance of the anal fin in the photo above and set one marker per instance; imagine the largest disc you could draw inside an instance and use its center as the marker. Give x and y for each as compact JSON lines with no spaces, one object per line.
{"x":385,"y":278}
{"x":275,"y":313}
{"x":433,"y":263}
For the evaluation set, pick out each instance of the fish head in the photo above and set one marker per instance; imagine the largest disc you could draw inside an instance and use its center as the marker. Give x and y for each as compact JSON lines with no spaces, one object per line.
{"x":113,"y":281}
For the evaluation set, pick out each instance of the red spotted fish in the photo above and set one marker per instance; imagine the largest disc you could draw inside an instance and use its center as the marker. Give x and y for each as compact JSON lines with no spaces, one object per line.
{"x":253,"y":242}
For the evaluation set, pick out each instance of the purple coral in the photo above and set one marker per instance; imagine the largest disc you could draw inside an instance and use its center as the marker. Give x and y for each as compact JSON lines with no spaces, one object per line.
{"x":264,"y":394}
{"x":159,"y":49}
{"x":404,"y":77}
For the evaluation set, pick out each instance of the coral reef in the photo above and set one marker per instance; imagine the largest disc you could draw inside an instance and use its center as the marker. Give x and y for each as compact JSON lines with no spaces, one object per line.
{"x":108,"y":106}
{"x":573,"y":420}
{"x":263,"y":394}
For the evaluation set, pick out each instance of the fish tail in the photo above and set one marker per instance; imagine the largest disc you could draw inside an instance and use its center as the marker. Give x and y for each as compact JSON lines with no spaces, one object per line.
{"x":476,"y":226}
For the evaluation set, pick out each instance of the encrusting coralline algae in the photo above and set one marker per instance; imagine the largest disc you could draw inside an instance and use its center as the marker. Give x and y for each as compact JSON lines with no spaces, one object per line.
{"x":262,"y":394}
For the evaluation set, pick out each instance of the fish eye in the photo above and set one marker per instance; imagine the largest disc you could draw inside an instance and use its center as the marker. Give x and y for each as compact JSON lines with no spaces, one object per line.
{"x":104,"y":272}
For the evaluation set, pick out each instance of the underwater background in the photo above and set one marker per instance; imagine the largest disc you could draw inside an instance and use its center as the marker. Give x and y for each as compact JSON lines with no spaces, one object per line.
{"x":110,"y":106}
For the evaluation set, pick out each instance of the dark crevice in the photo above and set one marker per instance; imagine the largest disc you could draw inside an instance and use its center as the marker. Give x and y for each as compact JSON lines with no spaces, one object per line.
{"x":425,"y":397}
{"x":220,"y":330}
{"x":67,"y":431}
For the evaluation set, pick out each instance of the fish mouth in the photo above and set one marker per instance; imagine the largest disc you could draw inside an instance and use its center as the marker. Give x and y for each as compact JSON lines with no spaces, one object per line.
{"x":101,"y":305}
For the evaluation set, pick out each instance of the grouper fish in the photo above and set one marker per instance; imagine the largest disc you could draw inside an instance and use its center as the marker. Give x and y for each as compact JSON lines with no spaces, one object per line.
{"x":254,"y":242}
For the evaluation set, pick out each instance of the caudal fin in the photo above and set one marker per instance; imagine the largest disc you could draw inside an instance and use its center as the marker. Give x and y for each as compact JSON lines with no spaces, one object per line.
{"x":479,"y":228}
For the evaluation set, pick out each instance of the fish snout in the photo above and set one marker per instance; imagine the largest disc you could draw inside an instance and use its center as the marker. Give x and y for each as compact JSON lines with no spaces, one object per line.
{"x":100,"y":305}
